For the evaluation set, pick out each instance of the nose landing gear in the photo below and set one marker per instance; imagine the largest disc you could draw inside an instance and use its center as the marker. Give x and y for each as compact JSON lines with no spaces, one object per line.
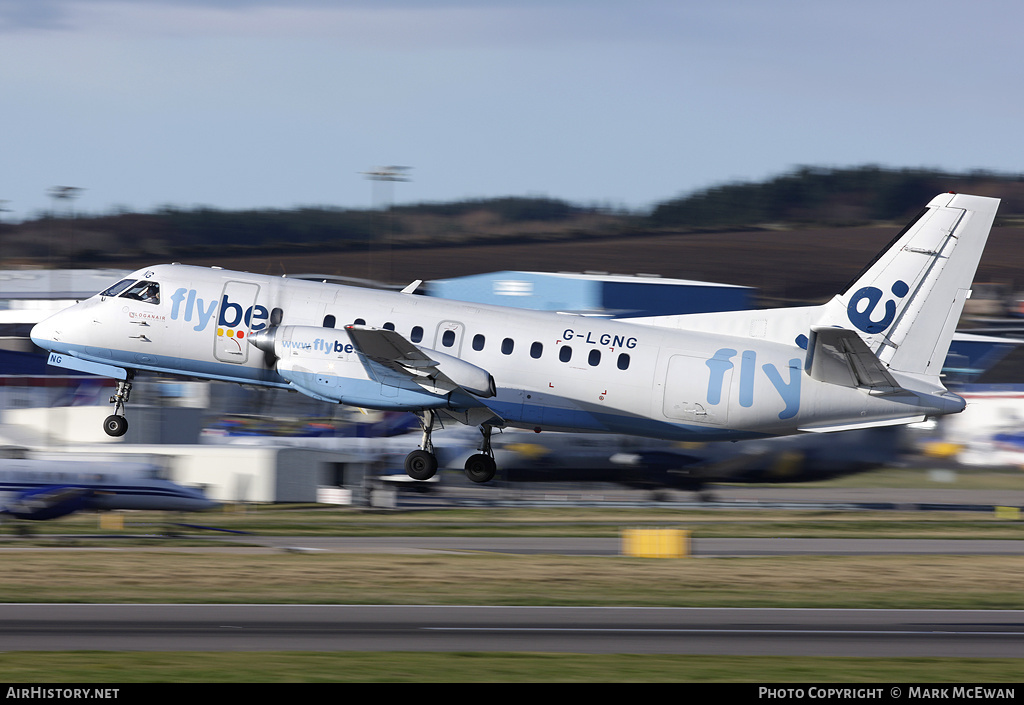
{"x":116,"y":424}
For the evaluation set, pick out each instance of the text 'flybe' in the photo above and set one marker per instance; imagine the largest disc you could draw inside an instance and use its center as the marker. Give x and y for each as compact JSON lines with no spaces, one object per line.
{"x":188,"y":305}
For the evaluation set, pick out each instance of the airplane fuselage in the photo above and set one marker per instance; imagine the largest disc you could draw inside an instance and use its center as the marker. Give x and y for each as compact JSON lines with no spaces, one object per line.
{"x":551,"y":371}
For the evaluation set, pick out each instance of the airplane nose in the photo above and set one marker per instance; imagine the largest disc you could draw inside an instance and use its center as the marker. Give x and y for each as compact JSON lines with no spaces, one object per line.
{"x":43,"y":334}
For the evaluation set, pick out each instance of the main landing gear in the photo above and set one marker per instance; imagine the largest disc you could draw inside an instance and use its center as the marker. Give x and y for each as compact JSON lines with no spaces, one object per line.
{"x":481,"y":466}
{"x":116,"y":424}
{"x":422,"y":464}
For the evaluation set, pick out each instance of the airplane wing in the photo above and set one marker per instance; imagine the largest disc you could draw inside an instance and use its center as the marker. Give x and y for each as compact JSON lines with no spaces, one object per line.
{"x":391,"y":359}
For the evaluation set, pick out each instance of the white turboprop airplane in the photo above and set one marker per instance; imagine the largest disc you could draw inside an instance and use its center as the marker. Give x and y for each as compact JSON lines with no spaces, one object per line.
{"x":871,"y":356}
{"x":47,"y":489}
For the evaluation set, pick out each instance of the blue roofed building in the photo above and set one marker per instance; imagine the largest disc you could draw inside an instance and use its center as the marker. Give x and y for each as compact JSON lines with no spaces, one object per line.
{"x":594,"y":293}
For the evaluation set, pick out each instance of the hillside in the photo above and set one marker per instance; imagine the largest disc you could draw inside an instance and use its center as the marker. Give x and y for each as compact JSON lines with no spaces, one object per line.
{"x":797,"y":237}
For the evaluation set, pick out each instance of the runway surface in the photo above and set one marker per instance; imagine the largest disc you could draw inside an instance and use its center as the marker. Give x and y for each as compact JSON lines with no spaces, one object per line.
{"x":746,"y":497}
{"x":707,"y":547}
{"x":796,"y":632}
{"x":564,"y":546}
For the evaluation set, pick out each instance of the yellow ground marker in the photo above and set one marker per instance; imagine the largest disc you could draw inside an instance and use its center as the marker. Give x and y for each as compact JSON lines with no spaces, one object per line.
{"x":656,"y":543}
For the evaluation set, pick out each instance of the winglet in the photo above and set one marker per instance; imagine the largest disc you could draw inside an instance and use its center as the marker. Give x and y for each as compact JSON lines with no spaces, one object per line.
{"x":412,"y":287}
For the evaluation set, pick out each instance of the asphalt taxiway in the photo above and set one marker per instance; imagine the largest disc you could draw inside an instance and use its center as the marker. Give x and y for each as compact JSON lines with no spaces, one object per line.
{"x":565,"y":546}
{"x":569,"y":546}
{"x":606,"y":630}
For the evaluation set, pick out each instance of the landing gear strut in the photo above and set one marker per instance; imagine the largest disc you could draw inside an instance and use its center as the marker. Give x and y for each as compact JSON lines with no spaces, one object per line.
{"x":481,"y":466}
{"x":116,"y":424}
{"x":422,"y":464}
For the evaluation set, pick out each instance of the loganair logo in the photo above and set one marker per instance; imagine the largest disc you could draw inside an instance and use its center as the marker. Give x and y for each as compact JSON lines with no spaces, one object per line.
{"x":232,"y":320}
{"x":863,"y":304}
{"x":721,"y":363}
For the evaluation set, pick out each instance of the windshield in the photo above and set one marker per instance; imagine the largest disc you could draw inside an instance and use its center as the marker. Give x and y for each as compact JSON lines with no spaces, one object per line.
{"x":143,"y":290}
{"x":118,"y":288}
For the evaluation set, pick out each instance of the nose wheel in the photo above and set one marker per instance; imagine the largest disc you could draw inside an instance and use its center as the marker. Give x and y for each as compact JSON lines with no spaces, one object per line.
{"x":116,"y":424}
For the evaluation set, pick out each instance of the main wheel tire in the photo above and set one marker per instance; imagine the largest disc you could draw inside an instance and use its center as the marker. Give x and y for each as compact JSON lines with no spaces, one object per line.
{"x":480,"y":468}
{"x":420,"y":465}
{"x":115,"y":425}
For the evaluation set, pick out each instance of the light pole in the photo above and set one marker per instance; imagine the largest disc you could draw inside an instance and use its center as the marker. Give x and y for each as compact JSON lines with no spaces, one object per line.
{"x":58,"y":194}
{"x":64,"y":193}
{"x":384,"y":178}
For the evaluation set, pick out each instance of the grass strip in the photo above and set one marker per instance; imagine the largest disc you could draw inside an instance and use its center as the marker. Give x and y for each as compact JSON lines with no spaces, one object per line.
{"x":941,"y":582}
{"x":416,"y":667}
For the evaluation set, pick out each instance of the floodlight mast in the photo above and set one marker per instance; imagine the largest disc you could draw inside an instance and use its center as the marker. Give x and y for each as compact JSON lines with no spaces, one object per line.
{"x":383,"y":192}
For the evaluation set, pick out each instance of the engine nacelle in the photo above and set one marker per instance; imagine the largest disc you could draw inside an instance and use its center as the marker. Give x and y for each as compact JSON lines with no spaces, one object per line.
{"x":475,"y":380}
{"x":326,"y":364}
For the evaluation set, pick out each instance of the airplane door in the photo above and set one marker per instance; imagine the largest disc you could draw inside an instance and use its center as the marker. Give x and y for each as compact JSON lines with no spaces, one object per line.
{"x":697,"y":390}
{"x":449,"y":337}
{"x":232,"y":329}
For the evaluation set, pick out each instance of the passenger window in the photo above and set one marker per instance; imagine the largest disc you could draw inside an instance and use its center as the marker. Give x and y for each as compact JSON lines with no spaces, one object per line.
{"x":507,"y":346}
{"x":416,"y":335}
{"x":623,"y":361}
{"x":448,"y":338}
{"x":359,"y":322}
{"x":389,"y":326}
{"x":565,"y":354}
{"x":536,"y":350}
{"x":143,"y":290}
{"x":478,"y":342}
{"x":595,"y":358}
{"x":329,"y":321}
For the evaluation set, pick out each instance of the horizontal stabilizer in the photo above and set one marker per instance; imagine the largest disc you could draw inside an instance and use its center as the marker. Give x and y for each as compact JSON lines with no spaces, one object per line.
{"x":840,"y":356}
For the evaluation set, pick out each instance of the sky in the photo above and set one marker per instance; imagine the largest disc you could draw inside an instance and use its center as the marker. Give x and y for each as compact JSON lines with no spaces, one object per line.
{"x":145,"y":104}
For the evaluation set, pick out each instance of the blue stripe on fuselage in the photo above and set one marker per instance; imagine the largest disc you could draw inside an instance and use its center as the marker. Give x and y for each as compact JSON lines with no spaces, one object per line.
{"x":366,"y":393}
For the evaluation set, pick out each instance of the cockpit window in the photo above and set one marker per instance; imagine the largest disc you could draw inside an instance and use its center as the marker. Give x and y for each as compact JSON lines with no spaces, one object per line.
{"x":143,"y":290}
{"x":118,"y":288}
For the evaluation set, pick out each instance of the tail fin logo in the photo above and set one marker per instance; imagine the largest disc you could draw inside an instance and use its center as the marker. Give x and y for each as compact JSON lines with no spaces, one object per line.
{"x":863,"y":303}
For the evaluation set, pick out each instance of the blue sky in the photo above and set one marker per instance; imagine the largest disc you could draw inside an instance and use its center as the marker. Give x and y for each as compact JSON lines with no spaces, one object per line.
{"x":282,"y":103}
